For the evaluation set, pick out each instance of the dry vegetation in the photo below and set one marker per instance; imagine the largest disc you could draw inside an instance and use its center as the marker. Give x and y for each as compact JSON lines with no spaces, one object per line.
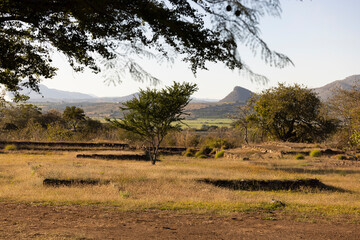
{"x":171,"y":184}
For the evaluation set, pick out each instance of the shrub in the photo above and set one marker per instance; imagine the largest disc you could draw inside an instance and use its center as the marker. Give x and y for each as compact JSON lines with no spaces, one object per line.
{"x":341,"y":157}
{"x":57,"y":132}
{"x":190,"y":152}
{"x":355,"y":139}
{"x":315,"y":153}
{"x":198,"y":153}
{"x":10,"y":147}
{"x":218,"y":143}
{"x":203,"y":151}
{"x":299,"y":156}
{"x":202,"y":156}
{"x":219,"y":154}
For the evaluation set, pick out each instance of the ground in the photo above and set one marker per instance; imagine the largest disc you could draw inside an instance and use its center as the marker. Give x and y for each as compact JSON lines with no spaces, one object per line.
{"x":135,"y":200}
{"x":29,"y":221}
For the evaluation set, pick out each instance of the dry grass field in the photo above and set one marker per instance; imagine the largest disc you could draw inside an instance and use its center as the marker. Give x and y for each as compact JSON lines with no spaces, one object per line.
{"x":171,"y":185}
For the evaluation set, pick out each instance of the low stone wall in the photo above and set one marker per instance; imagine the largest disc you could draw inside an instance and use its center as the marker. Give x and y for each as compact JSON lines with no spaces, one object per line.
{"x":54,"y":182}
{"x":135,"y":157}
{"x":61,"y":145}
{"x":271,"y":185}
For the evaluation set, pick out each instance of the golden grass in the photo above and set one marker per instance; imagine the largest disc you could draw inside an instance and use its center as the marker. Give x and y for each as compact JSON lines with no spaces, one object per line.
{"x":171,"y":183}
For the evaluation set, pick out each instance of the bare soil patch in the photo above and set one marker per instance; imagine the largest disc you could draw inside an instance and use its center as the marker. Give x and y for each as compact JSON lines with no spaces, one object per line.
{"x":26,"y":221}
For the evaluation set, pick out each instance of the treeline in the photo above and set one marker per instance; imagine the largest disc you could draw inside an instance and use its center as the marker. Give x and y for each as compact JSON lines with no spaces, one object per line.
{"x":28,"y":122}
{"x":296,"y":114}
{"x":283,"y":113}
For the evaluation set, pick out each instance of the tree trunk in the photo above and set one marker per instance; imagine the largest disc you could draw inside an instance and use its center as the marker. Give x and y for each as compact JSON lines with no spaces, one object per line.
{"x":246,"y":135}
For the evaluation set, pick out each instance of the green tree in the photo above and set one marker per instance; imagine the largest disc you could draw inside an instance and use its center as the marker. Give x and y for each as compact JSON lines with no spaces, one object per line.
{"x":345,"y":106}
{"x":17,"y":116}
{"x":73,"y":116}
{"x":109,"y":33}
{"x":242,"y":118}
{"x":153,"y":113}
{"x":291,"y":113}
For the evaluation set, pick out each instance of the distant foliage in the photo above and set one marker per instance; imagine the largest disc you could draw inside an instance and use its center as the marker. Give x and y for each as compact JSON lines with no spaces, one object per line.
{"x":73,"y":116}
{"x":218,"y":143}
{"x":345,"y":106}
{"x":57,"y":132}
{"x":299,"y":156}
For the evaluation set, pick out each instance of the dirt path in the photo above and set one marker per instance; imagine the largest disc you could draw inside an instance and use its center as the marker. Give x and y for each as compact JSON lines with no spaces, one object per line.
{"x":23,"y":221}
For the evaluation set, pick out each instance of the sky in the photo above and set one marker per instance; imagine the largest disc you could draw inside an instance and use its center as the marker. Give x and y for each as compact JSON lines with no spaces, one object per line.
{"x":321,"y":37}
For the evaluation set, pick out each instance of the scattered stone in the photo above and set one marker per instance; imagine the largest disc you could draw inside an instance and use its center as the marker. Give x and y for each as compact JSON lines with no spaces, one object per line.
{"x":277,"y":202}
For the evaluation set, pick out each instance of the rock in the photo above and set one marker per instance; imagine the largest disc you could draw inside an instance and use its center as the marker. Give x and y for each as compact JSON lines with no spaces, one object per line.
{"x":277,"y":202}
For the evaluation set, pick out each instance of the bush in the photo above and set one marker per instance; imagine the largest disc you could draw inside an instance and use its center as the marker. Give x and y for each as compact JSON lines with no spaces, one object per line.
{"x":341,"y":157}
{"x":57,"y":132}
{"x":10,"y":147}
{"x":219,"y":154}
{"x":198,"y":153}
{"x":202,"y":156}
{"x":190,"y":152}
{"x":204,"y":151}
{"x":299,"y":156}
{"x":218,"y":143}
{"x":315,"y":153}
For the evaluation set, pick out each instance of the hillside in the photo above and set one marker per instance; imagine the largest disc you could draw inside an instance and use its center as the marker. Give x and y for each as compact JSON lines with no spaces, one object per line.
{"x":326,"y":91}
{"x":239,"y":94}
{"x":198,"y":108}
{"x":54,"y":95}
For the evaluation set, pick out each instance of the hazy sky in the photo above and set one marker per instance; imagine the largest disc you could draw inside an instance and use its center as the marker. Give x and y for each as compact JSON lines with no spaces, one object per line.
{"x":321,"y":37}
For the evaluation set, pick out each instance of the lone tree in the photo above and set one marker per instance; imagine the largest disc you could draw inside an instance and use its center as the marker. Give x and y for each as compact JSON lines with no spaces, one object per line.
{"x":241,"y":119}
{"x":110,"y":33}
{"x":73,"y":116}
{"x":291,"y":113}
{"x":153,"y":113}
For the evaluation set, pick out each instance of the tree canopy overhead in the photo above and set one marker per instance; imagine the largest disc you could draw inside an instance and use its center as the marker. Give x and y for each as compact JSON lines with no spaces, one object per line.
{"x":93,"y":34}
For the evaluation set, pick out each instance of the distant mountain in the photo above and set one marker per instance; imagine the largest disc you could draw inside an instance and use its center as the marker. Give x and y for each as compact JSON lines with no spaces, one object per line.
{"x":326,"y":91}
{"x":239,"y":94}
{"x":113,"y":99}
{"x":58,"y":96}
{"x":54,"y":95}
